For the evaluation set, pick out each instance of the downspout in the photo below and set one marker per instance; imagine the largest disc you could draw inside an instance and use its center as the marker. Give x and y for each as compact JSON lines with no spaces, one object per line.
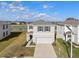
{"x":55,"y":34}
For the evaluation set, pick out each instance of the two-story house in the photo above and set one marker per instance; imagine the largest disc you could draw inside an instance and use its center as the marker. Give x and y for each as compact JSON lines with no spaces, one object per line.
{"x":4,"y":29}
{"x":41,"y":32}
{"x":73,"y":25}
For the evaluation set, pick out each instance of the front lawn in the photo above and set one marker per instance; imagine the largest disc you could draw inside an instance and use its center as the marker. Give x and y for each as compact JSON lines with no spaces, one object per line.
{"x":25,"y":52}
{"x":8,"y":40}
{"x":62,"y":48}
{"x":75,"y":52}
{"x":19,"y":51}
{"x":17,"y":48}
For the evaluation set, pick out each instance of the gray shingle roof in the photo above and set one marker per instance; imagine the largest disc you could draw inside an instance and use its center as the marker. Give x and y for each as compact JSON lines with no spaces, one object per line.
{"x":41,"y":22}
{"x":72,"y":22}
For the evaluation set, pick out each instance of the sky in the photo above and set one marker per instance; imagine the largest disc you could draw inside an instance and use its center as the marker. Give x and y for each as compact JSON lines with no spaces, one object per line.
{"x":36,"y":10}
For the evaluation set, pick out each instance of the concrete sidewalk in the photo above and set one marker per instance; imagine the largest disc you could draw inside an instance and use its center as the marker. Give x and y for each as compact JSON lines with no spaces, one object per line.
{"x":44,"y":51}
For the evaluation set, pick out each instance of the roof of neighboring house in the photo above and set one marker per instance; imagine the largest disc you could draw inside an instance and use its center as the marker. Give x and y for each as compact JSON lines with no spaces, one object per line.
{"x":42,"y":22}
{"x":5,"y":22}
{"x":72,"y":21}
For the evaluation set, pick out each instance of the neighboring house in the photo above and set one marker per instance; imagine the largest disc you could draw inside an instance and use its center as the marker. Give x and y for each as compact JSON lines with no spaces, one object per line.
{"x":4,"y":29}
{"x":41,"y":32}
{"x":60,"y":30}
{"x":72,"y":30}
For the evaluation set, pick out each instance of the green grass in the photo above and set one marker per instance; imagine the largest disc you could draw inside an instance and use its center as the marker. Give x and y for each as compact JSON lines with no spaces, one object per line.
{"x":75,"y":52}
{"x":20,"y":51}
{"x":62,"y":48}
{"x":19,"y":28}
{"x":14,"y":46}
{"x":27,"y":51}
{"x":8,"y":40}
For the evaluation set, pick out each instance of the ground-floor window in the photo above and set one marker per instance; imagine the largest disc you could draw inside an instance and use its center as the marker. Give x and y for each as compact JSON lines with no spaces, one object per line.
{"x":6,"y":32}
{"x":3,"y":34}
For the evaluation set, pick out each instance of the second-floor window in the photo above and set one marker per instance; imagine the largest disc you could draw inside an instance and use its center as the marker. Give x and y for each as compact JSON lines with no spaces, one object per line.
{"x":44,"y":28}
{"x":40,"y":28}
{"x":47,"y":28}
{"x":6,"y":26}
{"x":3,"y":26}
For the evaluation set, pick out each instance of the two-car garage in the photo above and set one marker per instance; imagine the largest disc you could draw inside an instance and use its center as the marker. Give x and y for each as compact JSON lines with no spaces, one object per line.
{"x":44,"y":40}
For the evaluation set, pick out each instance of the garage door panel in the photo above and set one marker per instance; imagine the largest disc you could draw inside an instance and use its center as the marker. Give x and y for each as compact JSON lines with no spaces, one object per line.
{"x":44,"y":40}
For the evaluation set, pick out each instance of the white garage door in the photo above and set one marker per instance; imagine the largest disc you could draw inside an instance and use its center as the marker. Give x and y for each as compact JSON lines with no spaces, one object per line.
{"x":44,"y":40}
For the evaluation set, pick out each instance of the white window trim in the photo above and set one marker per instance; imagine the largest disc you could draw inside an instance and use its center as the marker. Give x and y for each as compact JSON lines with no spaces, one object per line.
{"x":44,"y":29}
{"x":48,"y":29}
{"x":38,"y":28}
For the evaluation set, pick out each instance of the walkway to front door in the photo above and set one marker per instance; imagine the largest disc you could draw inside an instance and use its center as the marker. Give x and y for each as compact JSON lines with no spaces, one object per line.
{"x":44,"y":51}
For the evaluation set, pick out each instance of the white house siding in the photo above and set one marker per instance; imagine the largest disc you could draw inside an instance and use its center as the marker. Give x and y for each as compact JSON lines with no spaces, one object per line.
{"x":67,"y":30}
{"x":75,"y":35}
{"x":4,"y":30}
{"x":37,"y":34}
{"x":28,"y":31}
{"x":60,"y":31}
{"x":78,"y":35}
{"x":27,"y":34}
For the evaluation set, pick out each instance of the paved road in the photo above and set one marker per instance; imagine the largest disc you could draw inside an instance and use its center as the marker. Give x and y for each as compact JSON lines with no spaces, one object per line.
{"x":44,"y":51}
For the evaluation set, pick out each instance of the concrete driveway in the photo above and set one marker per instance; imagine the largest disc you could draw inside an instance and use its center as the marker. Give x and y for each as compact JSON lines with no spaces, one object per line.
{"x":44,"y":51}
